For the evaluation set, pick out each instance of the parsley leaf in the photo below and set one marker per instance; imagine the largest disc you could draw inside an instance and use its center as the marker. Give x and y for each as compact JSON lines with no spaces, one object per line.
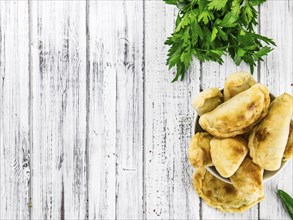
{"x":205,"y":16}
{"x":217,"y":4}
{"x":171,"y":2}
{"x":209,"y":29}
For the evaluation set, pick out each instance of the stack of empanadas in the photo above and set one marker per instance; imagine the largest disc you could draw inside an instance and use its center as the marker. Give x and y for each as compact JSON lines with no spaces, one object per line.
{"x":244,"y":135}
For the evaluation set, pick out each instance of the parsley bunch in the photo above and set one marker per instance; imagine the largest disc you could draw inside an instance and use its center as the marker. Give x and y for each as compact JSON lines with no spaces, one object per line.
{"x":208,"y":29}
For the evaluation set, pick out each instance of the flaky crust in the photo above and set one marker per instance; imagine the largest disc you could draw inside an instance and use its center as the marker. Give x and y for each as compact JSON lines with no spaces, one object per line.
{"x":268,"y":140}
{"x":221,"y":195}
{"x":288,"y":153}
{"x":249,"y":177}
{"x":236,"y":83}
{"x":207,"y":100}
{"x":227,"y":154}
{"x":199,"y":150}
{"x":239,"y":114}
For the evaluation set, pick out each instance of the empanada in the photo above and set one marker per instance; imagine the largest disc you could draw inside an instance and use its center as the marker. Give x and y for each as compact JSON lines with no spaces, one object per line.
{"x":199,"y":150}
{"x":288,"y":153}
{"x":249,"y":177}
{"x":268,"y":140}
{"x":239,"y":114}
{"x":221,"y":195}
{"x":207,"y":100}
{"x":236,"y":83}
{"x":227,"y":154}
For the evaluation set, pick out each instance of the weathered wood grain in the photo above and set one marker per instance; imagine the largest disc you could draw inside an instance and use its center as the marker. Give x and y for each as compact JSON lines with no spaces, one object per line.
{"x":102,"y":111}
{"x":59,"y":182}
{"x":129,"y":110}
{"x":168,"y":124}
{"x":14,"y":111}
{"x":214,"y":74}
{"x":116,"y":110}
{"x":277,"y":73}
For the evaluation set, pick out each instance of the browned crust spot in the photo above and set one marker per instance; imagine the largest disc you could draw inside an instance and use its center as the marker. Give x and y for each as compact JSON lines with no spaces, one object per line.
{"x":262,"y":134}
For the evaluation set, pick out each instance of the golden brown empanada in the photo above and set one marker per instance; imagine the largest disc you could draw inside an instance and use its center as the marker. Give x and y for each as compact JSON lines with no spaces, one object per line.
{"x":227,"y":154}
{"x":236,"y":83}
{"x":239,"y":114}
{"x":207,"y":100}
{"x":199,"y":150}
{"x":249,"y":177}
{"x":288,"y":153}
{"x":221,"y":195}
{"x":268,"y":140}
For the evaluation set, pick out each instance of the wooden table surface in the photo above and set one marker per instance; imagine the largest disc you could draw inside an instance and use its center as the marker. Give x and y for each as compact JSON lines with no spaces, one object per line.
{"x":91,"y":126}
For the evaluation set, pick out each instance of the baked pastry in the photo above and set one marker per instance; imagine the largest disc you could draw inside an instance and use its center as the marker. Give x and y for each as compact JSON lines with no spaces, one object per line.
{"x":207,"y":100}
{"x":236,"y":83}
{"x":239,"y":114}
{"x":249,"y":177}
{"x":288,"y":153}
{"x":227,"y":154}
{"x":199,"y":150}
{"x":268,"y":140}
{"x":221,"y":195}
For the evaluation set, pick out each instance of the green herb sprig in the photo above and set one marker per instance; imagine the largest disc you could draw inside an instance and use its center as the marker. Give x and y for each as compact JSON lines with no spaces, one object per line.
{"x":209,"y":29}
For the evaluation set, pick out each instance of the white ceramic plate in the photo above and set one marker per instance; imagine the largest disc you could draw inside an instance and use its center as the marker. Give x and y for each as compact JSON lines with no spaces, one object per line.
{"x":267,"y":174}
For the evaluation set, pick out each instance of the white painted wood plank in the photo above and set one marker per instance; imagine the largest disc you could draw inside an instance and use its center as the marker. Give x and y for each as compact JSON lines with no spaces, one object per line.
{"x":102,"y":114}
{"x":129,"y":110}
{"x":214,"y":75}
{"x":14,"y":111}
{"x":168,"y":124}
{"x":277,"y":73}
{"x":116,"y":110}
{"x":59,"y":109}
